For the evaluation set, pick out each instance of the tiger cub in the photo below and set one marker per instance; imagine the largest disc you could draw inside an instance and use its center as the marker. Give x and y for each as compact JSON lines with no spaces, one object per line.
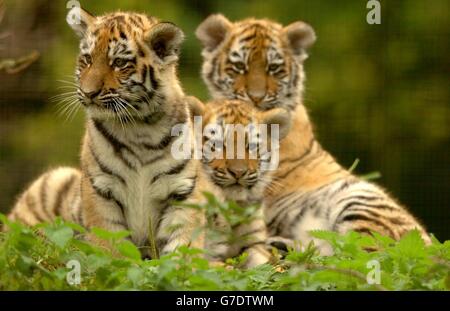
{"x":127,"y":83}
{"x":229,"y":125}
{"x":262,"y":62}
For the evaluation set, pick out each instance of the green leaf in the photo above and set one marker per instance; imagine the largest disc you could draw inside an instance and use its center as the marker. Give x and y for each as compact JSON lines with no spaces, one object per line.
{"x":411,"y":245}
{"x":128,"y":249}
{"x":136,"y":275}
{"x":108,"y":235}
{"x":59,"y":235}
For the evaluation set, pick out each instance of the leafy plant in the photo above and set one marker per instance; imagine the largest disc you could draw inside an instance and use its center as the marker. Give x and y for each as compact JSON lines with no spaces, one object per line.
{"x":36,"y":259}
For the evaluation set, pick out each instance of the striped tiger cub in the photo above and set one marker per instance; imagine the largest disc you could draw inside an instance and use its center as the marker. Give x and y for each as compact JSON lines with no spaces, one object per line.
{"x":262,"y":62}
{"x":243,"y":178}
{"x":127,"y":83}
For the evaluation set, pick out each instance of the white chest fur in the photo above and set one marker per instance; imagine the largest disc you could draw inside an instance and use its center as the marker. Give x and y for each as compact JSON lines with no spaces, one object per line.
{"x":141,"y":180}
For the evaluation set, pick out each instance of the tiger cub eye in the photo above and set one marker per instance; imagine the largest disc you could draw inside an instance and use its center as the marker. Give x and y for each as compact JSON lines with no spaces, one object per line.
{"x":119,"y":62}
{"x":87,"y":59}
{"x":239,"y":66}
{"x":273,"y":67}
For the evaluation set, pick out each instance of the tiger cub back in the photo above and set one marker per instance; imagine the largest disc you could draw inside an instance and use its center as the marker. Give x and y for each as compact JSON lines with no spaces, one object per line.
{"x":54,"y":194}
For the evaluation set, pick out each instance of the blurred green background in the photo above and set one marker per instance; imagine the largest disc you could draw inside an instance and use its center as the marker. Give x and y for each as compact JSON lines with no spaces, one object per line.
{"x":379,"y":93}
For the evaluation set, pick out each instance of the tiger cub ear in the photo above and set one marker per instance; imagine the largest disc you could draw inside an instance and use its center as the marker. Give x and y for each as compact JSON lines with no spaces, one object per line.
{"x":279,"y":116}
{"x":165,"y":41}
{"x":300,"y":36}
{"x":80,"y":20}
{"x":213,"y":30}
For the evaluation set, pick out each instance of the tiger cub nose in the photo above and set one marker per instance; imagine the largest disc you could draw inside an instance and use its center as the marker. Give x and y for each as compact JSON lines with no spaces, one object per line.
{"x":237,"y":172}
{"x":256,"y":97}
{"x":92,"y":94}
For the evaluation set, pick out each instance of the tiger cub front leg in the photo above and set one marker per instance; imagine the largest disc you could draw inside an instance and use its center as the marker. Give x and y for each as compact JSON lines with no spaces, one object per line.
{"x":100,"y":210}
{"x":181,"y":226}
{"x":252,"y":238}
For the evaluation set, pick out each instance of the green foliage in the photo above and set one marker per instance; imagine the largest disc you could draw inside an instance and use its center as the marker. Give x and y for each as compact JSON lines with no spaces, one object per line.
{"x":232,"y":216}
{"x":36,"y":259}
{"x":377,"y":92}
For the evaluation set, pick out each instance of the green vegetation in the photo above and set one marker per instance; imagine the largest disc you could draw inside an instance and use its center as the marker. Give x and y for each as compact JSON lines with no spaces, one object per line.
{"x":376,"y":92}
{"x":36,"y":259}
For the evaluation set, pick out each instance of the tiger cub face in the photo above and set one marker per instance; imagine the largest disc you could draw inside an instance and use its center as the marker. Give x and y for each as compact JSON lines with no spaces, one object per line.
{"x":125,"y":62}
{"x":255,"y":60}
{"x":237,"y":152}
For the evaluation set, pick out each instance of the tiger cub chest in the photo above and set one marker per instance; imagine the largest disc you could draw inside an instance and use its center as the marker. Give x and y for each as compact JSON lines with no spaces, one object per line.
{"x":146,"y":192}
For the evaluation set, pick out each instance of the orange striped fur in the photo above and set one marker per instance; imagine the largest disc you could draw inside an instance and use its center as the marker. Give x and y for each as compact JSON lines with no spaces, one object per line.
{"x":310,"y":190}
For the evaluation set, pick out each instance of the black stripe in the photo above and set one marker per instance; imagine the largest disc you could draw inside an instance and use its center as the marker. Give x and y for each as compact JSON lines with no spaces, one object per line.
{"x":117,"y":145}
{"x":301,"y":162}
{"x":355,"y":217}
{"x":393,"y":220}
{"x":153,"y":80}
{"x":32,"y":207}
{"x":160,"y":243}
{"x":172,"y":171}
{"x":357,"y":203}
{"x":345,"y":184}
{"x":121,"y":222}
{"x":313,"y":163}
{"x":80,"y":214}
{"x":136,"y":19}
{"x":141,"y":52}
{"x":359,"y":197}
{"x":283,"y":198}
{"x":182,"y":196}
{"x":284,"y":211}
{"x":215,"y":68}
{"x":363,"y":230}
{"x":163,"y":143}
{"x":106,"y":170}
{"x":295,"y":78}
{"x":43,"y":195}
{"x":246,"y":247}
{"x":153,"y":160}
{"x":107,"y":195}
{"x":119,"y":18}
{"x":304,"y":154}
{"x":297,"y":217}
{"x":144,"y":74}
{"x":61,"y":194}
{"x":254,"y":231}
{"x":248,"y":38}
